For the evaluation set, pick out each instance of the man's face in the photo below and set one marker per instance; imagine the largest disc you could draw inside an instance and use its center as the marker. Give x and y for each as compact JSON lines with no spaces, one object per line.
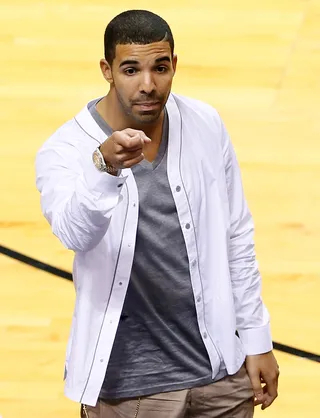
{"x":142,"y":77}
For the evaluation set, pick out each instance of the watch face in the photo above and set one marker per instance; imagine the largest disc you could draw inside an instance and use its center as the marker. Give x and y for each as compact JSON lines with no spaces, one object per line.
{"x":96,"y":160}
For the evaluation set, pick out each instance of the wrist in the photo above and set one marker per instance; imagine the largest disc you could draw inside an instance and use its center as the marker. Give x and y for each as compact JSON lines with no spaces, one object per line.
{"x":101,"y":164}
{"x":109,"y":167}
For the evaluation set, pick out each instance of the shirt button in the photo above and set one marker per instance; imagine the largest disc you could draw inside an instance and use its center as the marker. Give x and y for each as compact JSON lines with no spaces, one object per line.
{"x":178,"y":188}
{"x":101,"y":360}
{"x":188,"y":226}
{"x":120,"y":283}
{"x":205,"y":335}
{"x":120,"y":184}
{"x":194,"y":262}
{"x":199,"y":299}
{"x":134,"y":205}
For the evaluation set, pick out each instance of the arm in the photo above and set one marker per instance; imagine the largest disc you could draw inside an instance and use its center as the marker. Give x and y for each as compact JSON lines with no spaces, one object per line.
{"x":252,"y":317}
{"x":76,"y":199}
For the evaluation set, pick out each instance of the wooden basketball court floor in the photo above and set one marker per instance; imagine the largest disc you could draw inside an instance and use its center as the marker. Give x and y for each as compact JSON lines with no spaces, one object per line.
{"x":258,"y":63}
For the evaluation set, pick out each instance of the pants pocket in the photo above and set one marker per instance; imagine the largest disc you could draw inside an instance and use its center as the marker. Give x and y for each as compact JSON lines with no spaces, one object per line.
{"x":90,"y":411}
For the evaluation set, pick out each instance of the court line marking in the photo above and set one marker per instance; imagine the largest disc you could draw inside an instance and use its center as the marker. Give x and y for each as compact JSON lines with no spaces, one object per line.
{"x":68,"y":276}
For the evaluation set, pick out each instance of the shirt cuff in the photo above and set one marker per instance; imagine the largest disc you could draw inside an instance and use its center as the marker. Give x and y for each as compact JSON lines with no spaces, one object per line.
{"x":256,"y":340}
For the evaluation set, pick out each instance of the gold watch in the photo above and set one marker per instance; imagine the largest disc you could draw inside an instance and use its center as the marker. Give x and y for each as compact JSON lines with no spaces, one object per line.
{"x":100,"y":163}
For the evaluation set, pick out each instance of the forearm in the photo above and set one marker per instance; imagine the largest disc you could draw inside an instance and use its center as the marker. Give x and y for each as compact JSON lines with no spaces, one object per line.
{"x":78,"y":201}
{"x":252,"y":317}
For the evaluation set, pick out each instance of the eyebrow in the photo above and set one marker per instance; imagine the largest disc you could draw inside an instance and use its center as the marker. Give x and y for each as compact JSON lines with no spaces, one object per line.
{"x":128,"y":62}
{"x":166,"y":58}
{"x":134,"y":62}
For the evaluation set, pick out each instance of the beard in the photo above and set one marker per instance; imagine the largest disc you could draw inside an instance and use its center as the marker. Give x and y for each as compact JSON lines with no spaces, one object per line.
{"x":145,"y":116}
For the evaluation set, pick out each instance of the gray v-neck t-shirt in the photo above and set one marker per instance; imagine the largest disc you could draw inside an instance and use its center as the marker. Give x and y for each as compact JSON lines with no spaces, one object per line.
{"x":158,"y":346}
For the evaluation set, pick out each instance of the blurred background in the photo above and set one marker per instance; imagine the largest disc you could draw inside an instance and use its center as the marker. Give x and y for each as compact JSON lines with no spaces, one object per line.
{"x":258,"y":63}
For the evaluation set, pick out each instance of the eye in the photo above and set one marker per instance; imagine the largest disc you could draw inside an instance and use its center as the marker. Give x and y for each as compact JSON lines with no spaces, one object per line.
{"x":162,"y":69}
{"x":130,"y":71}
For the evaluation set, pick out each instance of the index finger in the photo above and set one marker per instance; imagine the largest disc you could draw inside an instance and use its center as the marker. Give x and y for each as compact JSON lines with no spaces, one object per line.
{"x":133,"y":132}
{"x":127,"y":142}
{"x":132,"y":143}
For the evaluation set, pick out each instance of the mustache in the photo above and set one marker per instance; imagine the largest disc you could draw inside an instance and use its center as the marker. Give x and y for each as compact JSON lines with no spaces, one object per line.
{"x":147,"y":99}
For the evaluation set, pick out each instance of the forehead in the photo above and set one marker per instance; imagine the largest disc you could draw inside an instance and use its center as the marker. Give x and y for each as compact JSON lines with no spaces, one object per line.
{"x":141,"y":53}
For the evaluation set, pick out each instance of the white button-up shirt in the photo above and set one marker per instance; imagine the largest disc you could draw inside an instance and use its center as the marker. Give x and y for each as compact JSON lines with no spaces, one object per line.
{"x":96,"y":215}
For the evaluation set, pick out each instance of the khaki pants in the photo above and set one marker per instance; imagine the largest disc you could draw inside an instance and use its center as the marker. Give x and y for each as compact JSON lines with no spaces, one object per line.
{"x":230,"y":397}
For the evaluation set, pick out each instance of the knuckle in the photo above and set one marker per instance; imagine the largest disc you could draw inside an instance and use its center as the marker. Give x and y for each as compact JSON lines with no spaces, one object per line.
{"x":121,"y":137}
{"x":269,"y":376}
{"x":116,"y":135}
{"x":128,"y":143}
{"x":121,"y":159}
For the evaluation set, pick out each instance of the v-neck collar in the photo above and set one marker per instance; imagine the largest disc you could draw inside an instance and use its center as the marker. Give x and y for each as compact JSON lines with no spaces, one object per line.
{"x":106,"y":128}
{"x":88,"y":125}
{"x":152,"y":165}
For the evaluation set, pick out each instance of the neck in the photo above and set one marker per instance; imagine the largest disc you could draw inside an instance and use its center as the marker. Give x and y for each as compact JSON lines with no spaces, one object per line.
{"x":111,"y":111}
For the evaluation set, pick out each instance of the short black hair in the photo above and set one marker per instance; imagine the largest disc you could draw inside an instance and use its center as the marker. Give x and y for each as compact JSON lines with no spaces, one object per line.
{"x":135,"y":27}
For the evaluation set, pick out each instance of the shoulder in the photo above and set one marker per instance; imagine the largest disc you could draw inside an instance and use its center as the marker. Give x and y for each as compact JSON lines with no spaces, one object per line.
{"x":69,"y":138}
{"x":198,"y":109}
{"x":65,"y":147}
{"x":68,"y":133}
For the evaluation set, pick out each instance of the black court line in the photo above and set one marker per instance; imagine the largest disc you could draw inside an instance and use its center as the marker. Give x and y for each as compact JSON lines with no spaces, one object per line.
{"x":35,"y":263}
{"x":66,"y":275}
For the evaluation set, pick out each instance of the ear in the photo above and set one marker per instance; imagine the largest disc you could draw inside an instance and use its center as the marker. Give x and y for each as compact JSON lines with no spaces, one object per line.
{"x":106,"y":71}
{"x":174,"y":62}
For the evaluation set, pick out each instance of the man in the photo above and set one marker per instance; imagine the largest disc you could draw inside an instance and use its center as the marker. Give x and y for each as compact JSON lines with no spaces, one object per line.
{"x":144,"y":186}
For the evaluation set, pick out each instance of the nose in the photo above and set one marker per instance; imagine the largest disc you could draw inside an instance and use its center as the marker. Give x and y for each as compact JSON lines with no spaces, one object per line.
{"x":147,"y":85}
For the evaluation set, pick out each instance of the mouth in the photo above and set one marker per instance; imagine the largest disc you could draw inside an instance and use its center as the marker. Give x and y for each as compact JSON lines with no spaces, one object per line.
{"x":147,"y":105}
